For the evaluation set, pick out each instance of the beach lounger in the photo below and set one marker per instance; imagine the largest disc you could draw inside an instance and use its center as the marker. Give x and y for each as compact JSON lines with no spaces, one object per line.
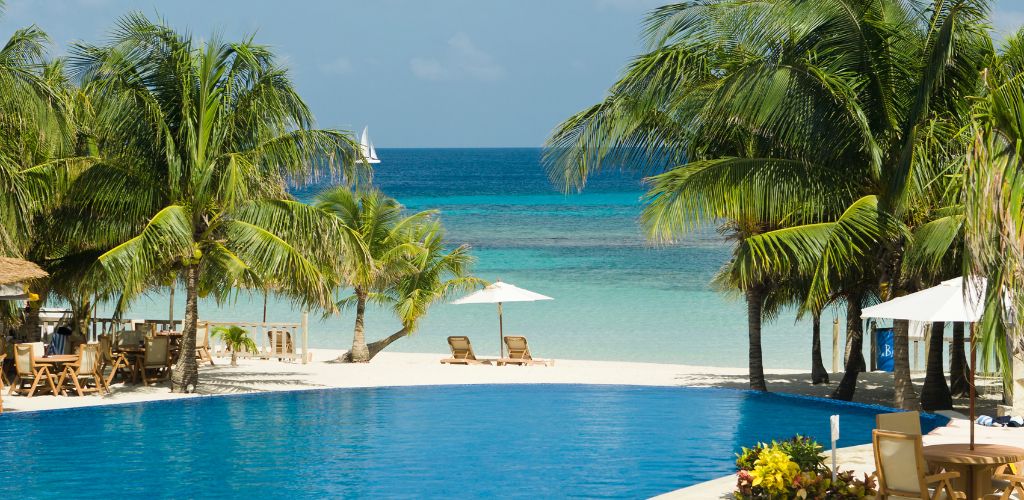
{"x":519,"y":353}
{"x":30,"y":373}
{"x":462,"y":352}
{"x":903,"y":472}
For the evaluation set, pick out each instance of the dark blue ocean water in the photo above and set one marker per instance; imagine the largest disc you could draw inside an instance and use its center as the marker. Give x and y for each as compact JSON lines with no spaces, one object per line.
{"x":519,"y":441}
{"x":616,"y":296}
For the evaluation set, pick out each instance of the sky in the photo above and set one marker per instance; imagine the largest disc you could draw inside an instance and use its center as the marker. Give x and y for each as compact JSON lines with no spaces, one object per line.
{"x":439,"y":73}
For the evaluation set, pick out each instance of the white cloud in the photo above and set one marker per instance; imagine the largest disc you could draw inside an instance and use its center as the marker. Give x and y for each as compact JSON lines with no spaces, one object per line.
{"x":462,"y":59}
{"x":428,"y":69}
{"x":339,"y":66}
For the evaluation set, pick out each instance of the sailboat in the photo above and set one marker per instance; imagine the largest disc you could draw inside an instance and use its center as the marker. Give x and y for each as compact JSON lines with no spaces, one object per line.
{"x":367,"y":147}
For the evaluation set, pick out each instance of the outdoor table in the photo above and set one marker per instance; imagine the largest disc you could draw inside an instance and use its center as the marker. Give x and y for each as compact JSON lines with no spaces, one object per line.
{"x":975,"y":466}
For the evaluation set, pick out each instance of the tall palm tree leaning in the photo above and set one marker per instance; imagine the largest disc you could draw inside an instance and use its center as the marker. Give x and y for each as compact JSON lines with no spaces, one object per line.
{"x":198,"y":141}
{"x":380,"y":251}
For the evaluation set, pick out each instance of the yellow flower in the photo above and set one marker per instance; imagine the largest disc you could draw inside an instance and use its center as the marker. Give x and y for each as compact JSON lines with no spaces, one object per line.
{"x":774,"y":471}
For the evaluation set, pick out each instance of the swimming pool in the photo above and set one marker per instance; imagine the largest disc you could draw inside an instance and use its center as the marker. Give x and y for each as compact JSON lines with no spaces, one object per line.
{"x":434,"y":441}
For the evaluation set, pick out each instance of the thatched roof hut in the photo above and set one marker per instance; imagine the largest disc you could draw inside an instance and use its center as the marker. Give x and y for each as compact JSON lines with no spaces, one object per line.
{"x":16,"y":270}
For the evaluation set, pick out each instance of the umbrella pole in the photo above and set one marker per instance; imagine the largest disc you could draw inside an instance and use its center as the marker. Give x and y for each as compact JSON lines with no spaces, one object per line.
{"x":170,"y":309}
{"x":501,"y":334}
{"x":974,"y":368}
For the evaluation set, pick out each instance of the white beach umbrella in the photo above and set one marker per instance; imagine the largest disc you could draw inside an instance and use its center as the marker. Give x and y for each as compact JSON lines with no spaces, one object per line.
{"x":498,"y":293}
{"x":948,"y":301}
{"x":13,"y":291}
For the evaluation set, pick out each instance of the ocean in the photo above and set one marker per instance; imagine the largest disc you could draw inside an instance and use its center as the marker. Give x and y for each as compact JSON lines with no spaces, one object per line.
{"x":617,"y":297}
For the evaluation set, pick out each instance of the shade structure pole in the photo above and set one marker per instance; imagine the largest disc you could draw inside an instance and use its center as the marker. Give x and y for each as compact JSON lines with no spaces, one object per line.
{"x":974,"y":368}
{"x":170,"y":309}
{"x":501,"y":334}
{"x":264,"y":307}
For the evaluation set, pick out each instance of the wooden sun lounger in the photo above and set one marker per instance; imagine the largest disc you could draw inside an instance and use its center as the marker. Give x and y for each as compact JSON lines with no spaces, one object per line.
{"x":519,"y":353}
{"x":462,"y":352}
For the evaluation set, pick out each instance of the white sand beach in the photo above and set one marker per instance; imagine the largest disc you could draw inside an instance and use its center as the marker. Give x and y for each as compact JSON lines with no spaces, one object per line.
{"x":411,"y":369}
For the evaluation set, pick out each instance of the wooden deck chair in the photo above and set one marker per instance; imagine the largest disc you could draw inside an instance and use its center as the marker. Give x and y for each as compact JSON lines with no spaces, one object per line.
{"x":116,"y":361}
{"x":1008,"y":480}
{"x":30,"y":373}
{"x":519,"y":353}
{"x":907,"y":422}
{"x":86,"y":368}
{"x":281,"y":343}
{"x":203,"y":343}
{"x":903,"y":472}
{"x":155,"y":360}
{"x":462,"y":352}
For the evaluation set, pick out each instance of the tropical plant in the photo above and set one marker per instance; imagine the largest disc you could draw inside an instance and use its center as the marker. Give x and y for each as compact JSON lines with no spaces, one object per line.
{"x":197,"y":143}
{"x":382,"y":250}
{"x":435,"y":274}
{"x":732,"y":107}
{"x":794,"y":468}
{"x":237,"y":340}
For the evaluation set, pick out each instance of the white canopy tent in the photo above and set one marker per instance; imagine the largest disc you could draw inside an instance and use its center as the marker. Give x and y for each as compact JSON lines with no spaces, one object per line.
{"x":949,"y":301}
{"x":498,"y":293}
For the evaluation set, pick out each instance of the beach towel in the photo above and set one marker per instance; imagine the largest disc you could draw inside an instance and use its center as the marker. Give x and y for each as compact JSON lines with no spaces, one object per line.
{"x":59,"y":341}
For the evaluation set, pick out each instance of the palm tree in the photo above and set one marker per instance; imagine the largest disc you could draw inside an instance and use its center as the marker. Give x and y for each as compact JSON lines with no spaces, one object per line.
{"x":935,"y":393}
{"x":198,"y":142}
{"x":435,"y":274}
{"x":381,"y":250}
{"x":958,"y":368}
{"x":237,"y":339}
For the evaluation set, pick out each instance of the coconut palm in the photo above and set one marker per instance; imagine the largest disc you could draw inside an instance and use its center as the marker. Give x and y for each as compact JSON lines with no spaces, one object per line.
{"x":381,"y":250}
{"x":435,"y":274}
{"x":237,"y":339}
{"x":198,"y":141}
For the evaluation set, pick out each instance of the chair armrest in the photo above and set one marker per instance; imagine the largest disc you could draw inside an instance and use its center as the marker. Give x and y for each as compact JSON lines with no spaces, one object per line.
{"x":942,"y":476}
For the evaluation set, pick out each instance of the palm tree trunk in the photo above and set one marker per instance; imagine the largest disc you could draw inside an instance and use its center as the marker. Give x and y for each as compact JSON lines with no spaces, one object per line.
{"x":378,"y":346}
{"x":958,"y":368}
{"x":935,"y":393}
{"x":818,"y":373}
{"x":234,"y":357}
{"x":185,"y":375}
{"x":854,"y":346}
{"x":755,"y":305}
{"x":905,"y":396}
{"x":359,"y":352}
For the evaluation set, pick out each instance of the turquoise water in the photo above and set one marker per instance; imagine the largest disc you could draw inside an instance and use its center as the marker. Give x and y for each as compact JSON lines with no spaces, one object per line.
{"x":616,"y":296}
{"x":518,"y":441}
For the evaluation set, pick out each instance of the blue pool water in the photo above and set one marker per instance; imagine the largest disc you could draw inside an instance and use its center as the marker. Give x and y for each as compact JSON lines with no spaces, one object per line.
{"x":438,"y":441}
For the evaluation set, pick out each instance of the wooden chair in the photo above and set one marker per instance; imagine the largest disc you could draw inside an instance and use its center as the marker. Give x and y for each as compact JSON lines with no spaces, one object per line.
{"x":907,"y":422}
{"x":30,"y":373}
{"x":203,"y":343}
{"x":903,"y":472}
{"x":462,"y":352}
{"x":3,"y":356}
{"x":281,"y":344}
{"x":117,"y":362}
{"x":519,"y":353}
{"x":86,"y":368}
{"x":1008,"y":480}
{"x":155,"y":359}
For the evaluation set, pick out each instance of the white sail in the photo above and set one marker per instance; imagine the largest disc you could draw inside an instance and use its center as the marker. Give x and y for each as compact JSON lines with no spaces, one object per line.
{"x":366,"y":147}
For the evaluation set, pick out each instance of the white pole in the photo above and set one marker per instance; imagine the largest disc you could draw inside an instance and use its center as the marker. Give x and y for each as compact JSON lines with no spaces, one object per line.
{"x":305,"y":337}
{"x":834,"y":421}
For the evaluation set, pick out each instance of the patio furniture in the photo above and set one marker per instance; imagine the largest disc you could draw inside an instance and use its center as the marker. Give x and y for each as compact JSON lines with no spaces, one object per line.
{"x":976,"y":467}
{"x":86,"y":368}
{"x":281,"y":344}
{"x":519,"y":353}
{"x":903,"y":471}
{"x":116,"y":361}
{"x":30,"y":373}
{"x":462,"y":352}
{"x":907,"y":422}
{"x":203,"y":343}
{"x":1008,"y":479}
{"x":154,"y":364}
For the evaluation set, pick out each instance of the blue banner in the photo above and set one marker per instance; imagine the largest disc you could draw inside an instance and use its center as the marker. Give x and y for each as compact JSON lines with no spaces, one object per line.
{"x":883,"y":349}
